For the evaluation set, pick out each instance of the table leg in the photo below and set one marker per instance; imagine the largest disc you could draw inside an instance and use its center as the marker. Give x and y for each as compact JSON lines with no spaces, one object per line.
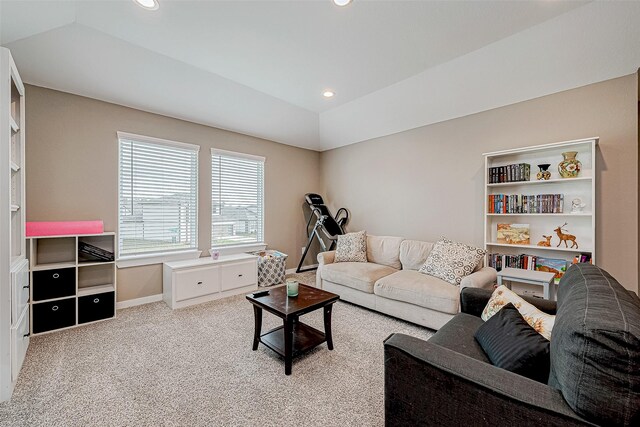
{"x":288,"y":346}
{"x":257,"y":313}
{"x":327,"y":326}
{"x":546,"y":293}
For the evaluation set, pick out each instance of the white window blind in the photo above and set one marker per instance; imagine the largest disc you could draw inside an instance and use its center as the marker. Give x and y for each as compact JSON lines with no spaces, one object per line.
{"x":237,"y":198}
{"x":158,"y":196}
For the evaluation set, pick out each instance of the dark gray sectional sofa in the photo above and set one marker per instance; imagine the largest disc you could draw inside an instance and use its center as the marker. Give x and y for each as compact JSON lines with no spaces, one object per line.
{"x":595,"y":365}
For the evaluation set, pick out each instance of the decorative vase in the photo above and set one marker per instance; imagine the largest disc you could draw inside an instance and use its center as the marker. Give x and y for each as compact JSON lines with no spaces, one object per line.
{"x":544,"y":173}
{"x":570,"y":166}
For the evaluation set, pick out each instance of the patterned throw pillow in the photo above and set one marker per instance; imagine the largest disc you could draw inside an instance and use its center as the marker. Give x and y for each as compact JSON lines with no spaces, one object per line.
{"x":539,"y":320}
{"x":352,"y":247}
{"x":451,"y":261}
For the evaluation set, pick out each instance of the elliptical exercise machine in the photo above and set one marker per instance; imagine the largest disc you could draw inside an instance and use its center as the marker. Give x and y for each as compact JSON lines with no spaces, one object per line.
{"x":331,"y":226}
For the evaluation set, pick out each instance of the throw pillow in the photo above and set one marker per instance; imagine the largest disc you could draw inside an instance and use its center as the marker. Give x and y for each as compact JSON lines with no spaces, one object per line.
{"x":451,"y":261}
{"x":352,"y":247}
{"x":539,"y":320}
{"x":512,"y":344}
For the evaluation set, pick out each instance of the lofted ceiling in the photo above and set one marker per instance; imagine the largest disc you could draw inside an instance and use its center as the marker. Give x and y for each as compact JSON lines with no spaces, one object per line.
{"x":260,"y":67}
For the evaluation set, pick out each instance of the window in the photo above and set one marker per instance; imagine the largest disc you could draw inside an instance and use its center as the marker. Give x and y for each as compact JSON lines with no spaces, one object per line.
{"x":158,"y":196}
{"x":237,"y":198}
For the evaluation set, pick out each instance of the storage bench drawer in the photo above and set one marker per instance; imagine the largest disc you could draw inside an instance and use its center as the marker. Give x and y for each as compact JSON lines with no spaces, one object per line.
{"x":96,"y":307}
{"x":239,"y":274}
{"x":196,"y":282}
{"x":51,"y":315}
{"x":50,"y":284}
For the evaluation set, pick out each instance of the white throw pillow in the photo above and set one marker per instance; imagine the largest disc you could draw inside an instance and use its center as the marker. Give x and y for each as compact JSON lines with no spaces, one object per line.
{"x":352,"y":247}
{"x":451,"y":261}
{"x":539,"y":320}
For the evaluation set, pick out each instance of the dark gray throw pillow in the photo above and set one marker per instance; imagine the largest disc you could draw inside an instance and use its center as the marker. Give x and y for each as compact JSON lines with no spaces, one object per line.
{"x":512,"y":344}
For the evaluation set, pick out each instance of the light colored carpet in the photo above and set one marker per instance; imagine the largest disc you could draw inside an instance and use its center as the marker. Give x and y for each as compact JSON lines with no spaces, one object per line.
{"x":194,"y":367}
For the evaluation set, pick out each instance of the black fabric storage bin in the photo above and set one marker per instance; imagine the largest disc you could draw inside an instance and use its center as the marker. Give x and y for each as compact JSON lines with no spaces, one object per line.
{"x":50,"y":284}
{"x":96,"y":307}
{"x":51,"y":315}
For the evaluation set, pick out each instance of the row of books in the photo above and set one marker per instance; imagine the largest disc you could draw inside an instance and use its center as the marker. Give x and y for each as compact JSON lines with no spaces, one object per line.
{"x":532,"y":262}
{"x":520,"y":203}
{"x":510,"y":173}
{"x":523,"y":261}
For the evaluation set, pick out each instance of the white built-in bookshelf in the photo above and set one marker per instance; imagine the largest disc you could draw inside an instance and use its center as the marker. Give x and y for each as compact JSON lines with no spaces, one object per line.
{"x":583,"y":187}
{"x":14,"y":269}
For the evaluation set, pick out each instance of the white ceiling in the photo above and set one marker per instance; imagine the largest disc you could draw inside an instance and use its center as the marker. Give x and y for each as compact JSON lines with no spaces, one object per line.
{"x":259,"y":67}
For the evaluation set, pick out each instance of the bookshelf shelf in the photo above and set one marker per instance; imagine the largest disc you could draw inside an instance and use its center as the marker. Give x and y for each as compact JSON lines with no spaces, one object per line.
{"x":542,"y":182}
{"x":554,"y":197}
{"x":14,"y":125}
{"x":540,"y":248}
{"x":585,"y":214}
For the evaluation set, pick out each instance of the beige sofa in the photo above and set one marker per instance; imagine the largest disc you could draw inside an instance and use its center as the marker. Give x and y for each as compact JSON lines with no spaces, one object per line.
{"x":390,"y":282}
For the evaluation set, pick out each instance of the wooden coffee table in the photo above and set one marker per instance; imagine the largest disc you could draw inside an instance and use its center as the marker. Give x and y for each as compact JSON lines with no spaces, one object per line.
{"x":293,"y":337}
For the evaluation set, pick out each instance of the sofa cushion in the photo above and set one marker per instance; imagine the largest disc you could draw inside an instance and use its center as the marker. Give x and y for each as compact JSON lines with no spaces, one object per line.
{"x":458,"y":335}
{"x":452,"y":261}
{"x":352,"y":247}
{"x":384,"y":250}
{"x":595,"y":349}
{"x":357,"y":275}
{"x":419,"y":289}
{"x":413,"y":253}
{"x":512,"y":344}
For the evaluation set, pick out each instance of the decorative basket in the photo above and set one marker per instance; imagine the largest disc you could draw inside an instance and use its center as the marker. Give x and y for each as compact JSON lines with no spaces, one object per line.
{"x":271,"y":267}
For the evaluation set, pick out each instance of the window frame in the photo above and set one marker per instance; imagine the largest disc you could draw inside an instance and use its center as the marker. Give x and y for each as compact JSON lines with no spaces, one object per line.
{"x":132,"y":260}
{"x":245,"y":246}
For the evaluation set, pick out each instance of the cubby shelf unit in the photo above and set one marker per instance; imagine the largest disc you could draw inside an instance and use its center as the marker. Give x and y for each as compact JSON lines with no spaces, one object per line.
{"x":581,"y":225}
{"x":69,"y":288}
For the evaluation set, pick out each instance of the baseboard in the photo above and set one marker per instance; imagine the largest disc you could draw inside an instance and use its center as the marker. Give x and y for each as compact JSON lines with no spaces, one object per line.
{"x":138,"y":301}
{"x":293,"y":270}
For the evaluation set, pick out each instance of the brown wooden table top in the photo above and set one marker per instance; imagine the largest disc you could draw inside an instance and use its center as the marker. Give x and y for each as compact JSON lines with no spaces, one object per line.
{"x":309,"y":298}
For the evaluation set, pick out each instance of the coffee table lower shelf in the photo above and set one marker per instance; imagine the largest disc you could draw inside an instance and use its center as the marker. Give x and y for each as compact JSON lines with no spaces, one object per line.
{"x":305,"y":337}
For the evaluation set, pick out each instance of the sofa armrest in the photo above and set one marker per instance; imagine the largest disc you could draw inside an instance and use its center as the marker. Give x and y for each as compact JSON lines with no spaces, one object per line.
{"x":426,"y":384}
{"x":483,"y":278}
{"x":473,"y":301}
{"x":326,"y":257}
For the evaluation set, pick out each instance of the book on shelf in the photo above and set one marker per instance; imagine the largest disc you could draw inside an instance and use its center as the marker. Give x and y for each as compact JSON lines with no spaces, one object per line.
{"x":94,"y":252}
{"x":513,"y":234}
{"x":551,"y":265}
{"x":584,"y":257}
{"x":510,"y":173}
{"x":522,"y":261}
{"x":525,"y":204}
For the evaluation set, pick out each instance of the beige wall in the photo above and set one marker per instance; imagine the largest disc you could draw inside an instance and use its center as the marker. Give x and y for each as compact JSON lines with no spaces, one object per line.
{"x":428,"y":182}
{"x":72,"y":154}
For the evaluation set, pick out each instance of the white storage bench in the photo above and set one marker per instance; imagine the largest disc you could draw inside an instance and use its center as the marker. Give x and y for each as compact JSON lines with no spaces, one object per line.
{"x":200,"y":280}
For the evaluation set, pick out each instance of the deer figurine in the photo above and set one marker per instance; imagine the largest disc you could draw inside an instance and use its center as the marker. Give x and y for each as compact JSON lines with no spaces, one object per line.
{"x":564,"y":237}
{"x":546,"y":242}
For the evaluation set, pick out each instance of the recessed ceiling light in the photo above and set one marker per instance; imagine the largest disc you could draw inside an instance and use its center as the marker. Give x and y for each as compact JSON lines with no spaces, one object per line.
{"x":328,"y":93}
{"x":341,"y":2}
{"x":148,"y":4}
